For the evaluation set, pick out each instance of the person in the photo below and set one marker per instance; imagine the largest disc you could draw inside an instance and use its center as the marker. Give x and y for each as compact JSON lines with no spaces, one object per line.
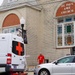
{"x":41,"y":59}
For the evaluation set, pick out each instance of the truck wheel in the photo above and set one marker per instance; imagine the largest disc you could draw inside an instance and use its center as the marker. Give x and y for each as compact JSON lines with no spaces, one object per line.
{"x":44,"y":72}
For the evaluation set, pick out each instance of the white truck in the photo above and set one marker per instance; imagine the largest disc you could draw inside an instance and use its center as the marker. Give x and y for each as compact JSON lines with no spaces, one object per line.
{"x":12,"y":54}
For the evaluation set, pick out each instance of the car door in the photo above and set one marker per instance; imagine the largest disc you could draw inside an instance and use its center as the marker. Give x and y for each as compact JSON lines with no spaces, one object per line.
{"x":63,"y":66}
{"x":73,"y":67}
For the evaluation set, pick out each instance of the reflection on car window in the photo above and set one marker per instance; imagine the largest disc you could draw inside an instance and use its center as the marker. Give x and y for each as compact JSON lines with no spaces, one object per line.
{"x":74,"y":60}
{"x":66,"y":60}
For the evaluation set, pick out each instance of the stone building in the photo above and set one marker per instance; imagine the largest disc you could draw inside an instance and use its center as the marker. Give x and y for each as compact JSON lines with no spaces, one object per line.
{"x":49,"y":24}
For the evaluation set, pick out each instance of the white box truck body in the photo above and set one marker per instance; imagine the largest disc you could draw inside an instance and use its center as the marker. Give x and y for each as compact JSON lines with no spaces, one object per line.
{"x":12,"y":55}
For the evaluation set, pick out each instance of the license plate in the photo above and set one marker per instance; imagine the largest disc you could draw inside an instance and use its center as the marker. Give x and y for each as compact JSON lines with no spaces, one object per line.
{"x":2,"y":70}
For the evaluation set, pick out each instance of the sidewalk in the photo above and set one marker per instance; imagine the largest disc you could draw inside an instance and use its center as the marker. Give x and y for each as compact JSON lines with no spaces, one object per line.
{"x":30,"y":73}
{"x":30,"y":68}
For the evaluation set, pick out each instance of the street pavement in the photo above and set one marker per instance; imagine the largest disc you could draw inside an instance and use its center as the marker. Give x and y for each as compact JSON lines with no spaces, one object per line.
{"x":30,"y":70}
{"x":30,"y":73}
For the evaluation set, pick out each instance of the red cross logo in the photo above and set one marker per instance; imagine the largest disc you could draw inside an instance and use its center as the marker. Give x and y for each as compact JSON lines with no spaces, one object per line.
{"x":19,"y":48}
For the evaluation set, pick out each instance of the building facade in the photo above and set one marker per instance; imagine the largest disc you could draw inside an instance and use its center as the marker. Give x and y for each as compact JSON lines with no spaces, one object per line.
{"x":50,"y":26}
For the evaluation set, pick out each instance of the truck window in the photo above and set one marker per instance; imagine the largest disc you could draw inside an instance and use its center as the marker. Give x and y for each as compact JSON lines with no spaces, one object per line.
{"x":18,"y":48}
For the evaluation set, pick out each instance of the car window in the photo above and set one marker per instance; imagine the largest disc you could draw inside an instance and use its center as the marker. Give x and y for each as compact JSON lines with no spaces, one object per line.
{"x":66,"y":60}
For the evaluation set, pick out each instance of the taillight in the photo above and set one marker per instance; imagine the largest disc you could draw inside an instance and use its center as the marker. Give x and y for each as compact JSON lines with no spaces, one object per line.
{"x":9,"y":55}
{"x":9,"y":58}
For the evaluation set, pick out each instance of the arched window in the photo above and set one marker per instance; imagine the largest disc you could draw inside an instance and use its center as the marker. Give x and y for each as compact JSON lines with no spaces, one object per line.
{"x":11,"y":24}
{"x":65,"y":31}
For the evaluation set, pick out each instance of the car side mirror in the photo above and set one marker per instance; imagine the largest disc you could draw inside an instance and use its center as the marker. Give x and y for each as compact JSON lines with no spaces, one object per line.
{"x":55,"y":63}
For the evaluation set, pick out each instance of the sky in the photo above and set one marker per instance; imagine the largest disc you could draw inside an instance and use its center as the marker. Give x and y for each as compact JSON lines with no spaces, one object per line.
{"x":1,"y":2}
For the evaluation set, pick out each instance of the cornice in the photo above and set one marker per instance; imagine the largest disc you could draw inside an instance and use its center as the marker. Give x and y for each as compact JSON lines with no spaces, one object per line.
{"x":18,"y":5}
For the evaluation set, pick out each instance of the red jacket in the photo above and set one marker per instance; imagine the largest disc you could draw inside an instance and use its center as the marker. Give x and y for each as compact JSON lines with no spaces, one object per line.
{"x":40,"y":59}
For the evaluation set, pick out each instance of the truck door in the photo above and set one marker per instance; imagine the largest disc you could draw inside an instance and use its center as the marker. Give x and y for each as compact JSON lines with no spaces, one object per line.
{"x":18,"y":56}
{"x":3,"y":52}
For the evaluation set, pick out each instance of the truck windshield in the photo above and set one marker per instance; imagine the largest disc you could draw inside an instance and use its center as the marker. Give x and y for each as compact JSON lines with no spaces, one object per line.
{"x":18,"y":48}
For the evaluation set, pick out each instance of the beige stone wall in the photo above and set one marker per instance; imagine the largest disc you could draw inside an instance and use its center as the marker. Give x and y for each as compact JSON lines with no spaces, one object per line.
{"x":49,"y":33}
{"x":41,"y":30}
{"x":33,"y":27}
